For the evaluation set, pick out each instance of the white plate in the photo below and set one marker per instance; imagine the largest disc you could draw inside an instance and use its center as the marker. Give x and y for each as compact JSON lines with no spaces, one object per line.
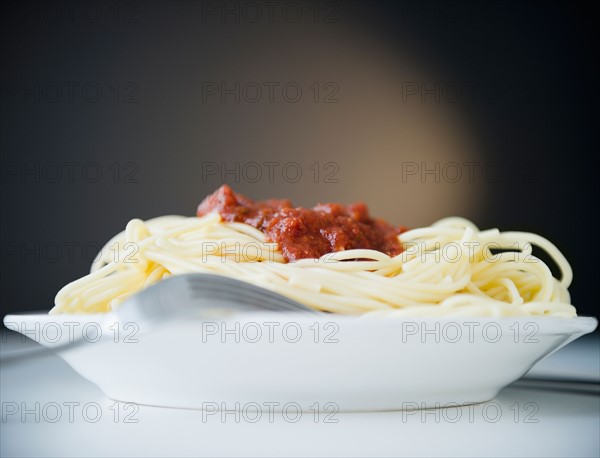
{"x":324,"y":362}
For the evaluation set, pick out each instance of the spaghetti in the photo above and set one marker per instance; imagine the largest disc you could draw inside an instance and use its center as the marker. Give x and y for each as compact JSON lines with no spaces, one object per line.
{"x":448,"y":269}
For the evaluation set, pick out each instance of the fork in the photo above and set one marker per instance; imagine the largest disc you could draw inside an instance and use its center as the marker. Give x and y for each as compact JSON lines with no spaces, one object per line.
{"x":187,"y":296}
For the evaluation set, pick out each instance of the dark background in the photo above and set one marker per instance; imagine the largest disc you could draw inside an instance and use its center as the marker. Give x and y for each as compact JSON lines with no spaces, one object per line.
{"x":107,"y":114}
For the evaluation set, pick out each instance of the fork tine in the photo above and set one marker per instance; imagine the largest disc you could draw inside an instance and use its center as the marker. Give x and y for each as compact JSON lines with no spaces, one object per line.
{"x":203,"y":284}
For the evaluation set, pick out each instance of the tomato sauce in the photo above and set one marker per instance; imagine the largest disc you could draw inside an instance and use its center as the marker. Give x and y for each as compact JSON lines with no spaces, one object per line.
{"x":306,"y":233}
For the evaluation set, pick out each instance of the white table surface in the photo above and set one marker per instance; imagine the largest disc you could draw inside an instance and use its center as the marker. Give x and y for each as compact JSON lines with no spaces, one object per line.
{"x":519,"y":422}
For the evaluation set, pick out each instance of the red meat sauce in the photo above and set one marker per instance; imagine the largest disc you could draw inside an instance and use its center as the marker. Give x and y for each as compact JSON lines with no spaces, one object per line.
{"x":303,"y":232}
